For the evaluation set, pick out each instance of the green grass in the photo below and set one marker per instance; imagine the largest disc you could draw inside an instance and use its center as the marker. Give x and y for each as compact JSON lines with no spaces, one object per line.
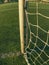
{"x":13,"y":61}
{"x":9,"y":34}
{"x":9,"y":28}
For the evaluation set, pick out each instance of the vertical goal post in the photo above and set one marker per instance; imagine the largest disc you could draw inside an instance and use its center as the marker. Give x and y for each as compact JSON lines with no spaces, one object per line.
{"x":36,"y":42}
{"x":21,"y":24}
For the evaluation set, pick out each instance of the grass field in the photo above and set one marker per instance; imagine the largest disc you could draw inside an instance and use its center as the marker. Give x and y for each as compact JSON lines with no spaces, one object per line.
{"x":9,"y":34}
{"x":9,"y":27}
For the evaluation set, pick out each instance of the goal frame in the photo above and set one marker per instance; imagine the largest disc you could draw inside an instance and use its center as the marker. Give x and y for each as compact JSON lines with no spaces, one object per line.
{"x":21,"y":24}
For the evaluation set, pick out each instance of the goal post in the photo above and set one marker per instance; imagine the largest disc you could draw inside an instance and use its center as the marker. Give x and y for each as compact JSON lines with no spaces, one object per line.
{"x":21,"y":24}
{"x":36,"y":30}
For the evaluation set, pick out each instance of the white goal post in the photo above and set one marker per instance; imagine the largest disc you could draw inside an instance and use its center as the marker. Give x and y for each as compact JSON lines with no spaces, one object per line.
{"x":21,"y":23}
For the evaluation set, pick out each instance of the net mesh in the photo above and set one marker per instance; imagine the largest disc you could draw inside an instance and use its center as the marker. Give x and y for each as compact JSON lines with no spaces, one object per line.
{"x":37,"y":50}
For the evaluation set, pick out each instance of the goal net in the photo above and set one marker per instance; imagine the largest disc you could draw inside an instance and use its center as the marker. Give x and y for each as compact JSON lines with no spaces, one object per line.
{"x":37,"y":18}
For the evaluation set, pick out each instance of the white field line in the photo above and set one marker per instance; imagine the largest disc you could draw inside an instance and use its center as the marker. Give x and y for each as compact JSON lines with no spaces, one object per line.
{"x":10,"y":54}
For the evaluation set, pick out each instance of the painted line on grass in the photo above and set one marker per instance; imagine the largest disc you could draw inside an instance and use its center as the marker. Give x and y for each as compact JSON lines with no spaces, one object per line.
{"x":10,"y":54}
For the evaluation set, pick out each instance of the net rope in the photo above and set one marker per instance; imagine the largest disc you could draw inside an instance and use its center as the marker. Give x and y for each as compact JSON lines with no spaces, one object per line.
{"x":32,"y":55}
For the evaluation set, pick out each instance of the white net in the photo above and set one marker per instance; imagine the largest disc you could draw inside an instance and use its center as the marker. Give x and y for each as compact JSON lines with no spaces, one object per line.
{"x":37,"y":50}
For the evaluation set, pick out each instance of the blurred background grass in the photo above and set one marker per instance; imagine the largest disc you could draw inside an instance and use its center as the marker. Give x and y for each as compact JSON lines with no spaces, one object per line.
{"x":9,"y":34}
